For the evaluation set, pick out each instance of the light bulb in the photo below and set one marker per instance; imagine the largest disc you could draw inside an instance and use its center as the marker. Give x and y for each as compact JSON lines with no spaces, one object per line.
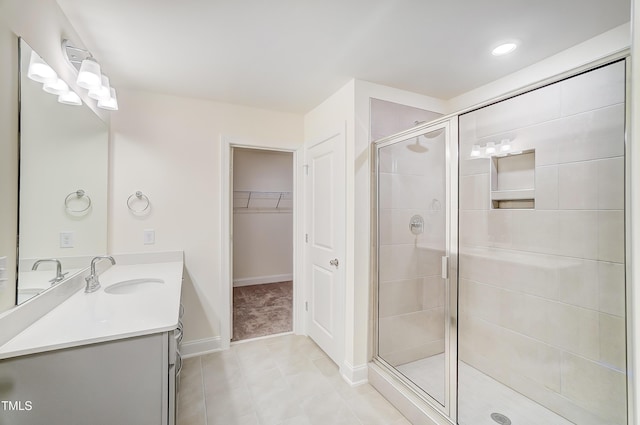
{"x":490,"y":149}
{"x":70,"y":98}
{"x":39,"y":70}
{"x":55,"y":87}
{"x":111,"y":103}
{"x":475,"y":151}
{"x":103,"y":91}
{"x":505,"y":146}
{"x":89,"y":76}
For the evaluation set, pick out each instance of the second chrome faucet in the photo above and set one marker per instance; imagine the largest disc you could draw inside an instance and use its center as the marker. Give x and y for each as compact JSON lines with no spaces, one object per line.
{"x":93,"y":284}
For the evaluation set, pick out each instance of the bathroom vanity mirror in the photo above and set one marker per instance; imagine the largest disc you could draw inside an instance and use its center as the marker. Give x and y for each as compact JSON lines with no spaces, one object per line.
{"x":63,"y":185}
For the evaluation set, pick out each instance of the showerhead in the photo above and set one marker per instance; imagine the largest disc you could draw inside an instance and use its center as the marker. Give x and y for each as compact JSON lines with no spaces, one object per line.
{"x":419,"y":148}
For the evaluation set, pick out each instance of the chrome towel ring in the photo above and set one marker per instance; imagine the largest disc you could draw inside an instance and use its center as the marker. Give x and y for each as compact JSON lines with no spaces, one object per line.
{"x":78,"y":194}
{"x":140,"y":197}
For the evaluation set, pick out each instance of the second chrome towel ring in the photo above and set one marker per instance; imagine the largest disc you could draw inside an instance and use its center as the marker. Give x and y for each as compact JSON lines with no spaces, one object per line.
{"x":80,"y":196}
{"x":138,"y":198}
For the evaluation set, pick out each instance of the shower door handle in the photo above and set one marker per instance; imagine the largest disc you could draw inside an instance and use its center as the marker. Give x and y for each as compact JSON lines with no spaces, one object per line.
{"x":334,"y":262}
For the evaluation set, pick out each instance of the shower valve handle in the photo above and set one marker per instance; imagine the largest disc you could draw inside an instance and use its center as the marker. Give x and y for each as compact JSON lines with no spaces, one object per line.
{"x":334,"y":262}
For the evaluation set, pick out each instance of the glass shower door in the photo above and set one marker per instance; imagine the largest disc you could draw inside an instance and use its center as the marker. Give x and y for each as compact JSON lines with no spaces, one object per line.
{"x":412,"y":246}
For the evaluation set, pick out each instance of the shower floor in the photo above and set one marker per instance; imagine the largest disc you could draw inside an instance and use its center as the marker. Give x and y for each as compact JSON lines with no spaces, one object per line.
{"x":479,"y":395}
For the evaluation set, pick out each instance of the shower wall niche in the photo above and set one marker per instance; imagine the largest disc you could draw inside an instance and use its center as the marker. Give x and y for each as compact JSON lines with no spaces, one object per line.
{"x":542,"y":282}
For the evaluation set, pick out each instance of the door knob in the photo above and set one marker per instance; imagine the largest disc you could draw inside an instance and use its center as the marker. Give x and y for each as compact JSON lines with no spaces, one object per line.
{"x":334,"y":262}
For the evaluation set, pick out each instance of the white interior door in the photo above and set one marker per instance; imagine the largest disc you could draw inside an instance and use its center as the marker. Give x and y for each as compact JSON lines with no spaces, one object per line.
{"x":325,"y":218}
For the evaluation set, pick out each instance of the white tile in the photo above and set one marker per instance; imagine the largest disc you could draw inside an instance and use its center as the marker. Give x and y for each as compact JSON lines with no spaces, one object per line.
{"x":398,"y":262}
{"x":474,"y":192}
{"x":536,"y":231}
{"x":593,"y":90}
{"x":433,"y":292}
{"x":592,"y":135}
{"x":473,"y":228}
{"x":611,"y":245}
{"x":578,"y":282}
{"x":547,"y":187}
{"x":522,"y":111}
{"x":613,"y":346}
{"x":577,"y":234}
{"x":594,"y":387}
{"x":578,"y":186}
{"x":400,"y":297}
{"x":500,"y":228}
{"x":573,"y":329}
{"x":611,"y":184}
{"x":611,"y":288}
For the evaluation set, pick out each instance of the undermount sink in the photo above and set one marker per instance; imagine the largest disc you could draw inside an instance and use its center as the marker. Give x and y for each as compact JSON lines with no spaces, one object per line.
{"x":133,"y":285}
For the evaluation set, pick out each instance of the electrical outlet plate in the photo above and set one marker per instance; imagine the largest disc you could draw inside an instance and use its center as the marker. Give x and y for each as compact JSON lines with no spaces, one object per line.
{"x":149,"y":236}
{"x":66,"y":239}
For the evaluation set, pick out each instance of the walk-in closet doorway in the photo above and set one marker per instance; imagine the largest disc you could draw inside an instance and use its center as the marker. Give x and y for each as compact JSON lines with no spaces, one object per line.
{"x":262,"y":242}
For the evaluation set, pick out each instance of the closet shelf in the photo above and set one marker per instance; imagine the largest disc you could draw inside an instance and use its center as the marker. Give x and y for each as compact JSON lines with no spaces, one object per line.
{"x":262,"y":201}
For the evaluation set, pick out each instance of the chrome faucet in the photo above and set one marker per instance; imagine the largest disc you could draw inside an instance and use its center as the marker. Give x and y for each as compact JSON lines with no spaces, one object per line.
{"x":92,"y":280}
{"x":59,"y":275}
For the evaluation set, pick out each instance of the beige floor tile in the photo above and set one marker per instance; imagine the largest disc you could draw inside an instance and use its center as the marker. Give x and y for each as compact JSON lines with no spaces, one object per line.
{"x":329,"y":409}
{"x":373,"y":409}
{"x":285,"y":380}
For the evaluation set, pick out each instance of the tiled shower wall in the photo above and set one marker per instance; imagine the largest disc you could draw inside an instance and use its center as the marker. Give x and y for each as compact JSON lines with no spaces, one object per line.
{"x":411,"y":290}
{"x":542,"y":290}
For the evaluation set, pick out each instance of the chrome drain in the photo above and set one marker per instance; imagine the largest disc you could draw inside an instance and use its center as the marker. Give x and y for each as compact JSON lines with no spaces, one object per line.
{"x":501,"y":419}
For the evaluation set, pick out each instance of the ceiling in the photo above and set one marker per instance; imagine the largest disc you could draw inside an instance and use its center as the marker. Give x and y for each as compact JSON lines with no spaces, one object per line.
{"x":290,"y":55}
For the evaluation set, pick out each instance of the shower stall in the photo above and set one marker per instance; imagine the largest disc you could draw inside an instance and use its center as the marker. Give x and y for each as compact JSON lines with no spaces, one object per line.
{"x":500,"y":257}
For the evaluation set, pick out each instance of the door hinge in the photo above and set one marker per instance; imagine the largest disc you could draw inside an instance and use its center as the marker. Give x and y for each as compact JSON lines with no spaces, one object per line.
{"x":306,"y":238}
{"x":306,"y":306}
{"x":306,"y":170}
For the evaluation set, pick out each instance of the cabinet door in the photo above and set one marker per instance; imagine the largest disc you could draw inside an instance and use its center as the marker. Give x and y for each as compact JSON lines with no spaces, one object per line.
{"x":117,"y":382}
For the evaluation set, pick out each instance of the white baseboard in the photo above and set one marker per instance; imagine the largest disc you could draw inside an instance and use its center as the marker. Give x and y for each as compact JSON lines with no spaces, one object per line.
{"x":355,"y":375}
{"x":259,"y":280}
{"x":200,"y":346}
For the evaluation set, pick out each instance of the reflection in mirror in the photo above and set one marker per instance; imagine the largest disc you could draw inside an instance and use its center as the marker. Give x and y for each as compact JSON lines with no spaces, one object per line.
{"x":63,"y":185}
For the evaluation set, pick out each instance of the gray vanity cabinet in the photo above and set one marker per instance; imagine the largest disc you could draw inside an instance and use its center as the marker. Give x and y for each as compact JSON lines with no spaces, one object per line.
{"x":126,"y":381}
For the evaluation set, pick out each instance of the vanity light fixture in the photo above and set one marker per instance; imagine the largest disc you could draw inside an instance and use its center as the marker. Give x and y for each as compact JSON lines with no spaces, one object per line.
{"x":475,"y":151}
{"x":39,"y":70}
{"x":56,"y":87}
{"x":490,"y":148}
{"x":90,"y":76}
{"x":110,"y":103}
{"x":504,"y":49}
{"x":101,"y":92}
{"x":70,"y":98}
{"x":505,"y":145}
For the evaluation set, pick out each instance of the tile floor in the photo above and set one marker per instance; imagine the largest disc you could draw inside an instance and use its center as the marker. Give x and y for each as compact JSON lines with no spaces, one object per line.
{"x":283,"y":380}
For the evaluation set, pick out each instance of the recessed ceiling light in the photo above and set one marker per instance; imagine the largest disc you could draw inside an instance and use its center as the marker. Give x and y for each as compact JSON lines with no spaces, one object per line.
{"x":504,"y":49}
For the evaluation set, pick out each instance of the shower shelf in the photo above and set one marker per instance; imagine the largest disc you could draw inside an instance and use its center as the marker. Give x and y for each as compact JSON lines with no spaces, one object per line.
{"x":260,"y":201}
{"x":512,"y":195}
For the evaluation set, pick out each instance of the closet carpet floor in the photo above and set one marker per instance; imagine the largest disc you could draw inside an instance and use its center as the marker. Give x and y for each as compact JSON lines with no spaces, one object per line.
{"x":260,"y":310}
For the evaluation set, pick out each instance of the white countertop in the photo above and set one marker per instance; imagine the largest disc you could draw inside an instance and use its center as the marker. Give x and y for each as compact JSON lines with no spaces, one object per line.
{"x":98,"y":317}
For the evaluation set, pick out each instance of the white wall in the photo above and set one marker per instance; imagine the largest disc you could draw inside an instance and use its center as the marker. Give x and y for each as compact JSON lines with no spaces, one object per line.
{"x":170,"y":148}
{"x":262,"y":233}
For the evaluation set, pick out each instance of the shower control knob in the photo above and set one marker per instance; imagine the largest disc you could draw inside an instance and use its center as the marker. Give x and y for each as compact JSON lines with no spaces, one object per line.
{"x":334,"y":262}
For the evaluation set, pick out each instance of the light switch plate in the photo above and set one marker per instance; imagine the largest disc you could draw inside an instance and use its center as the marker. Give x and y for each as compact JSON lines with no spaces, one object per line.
{"x":66,"y":239}
{"x":149,"y":237}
